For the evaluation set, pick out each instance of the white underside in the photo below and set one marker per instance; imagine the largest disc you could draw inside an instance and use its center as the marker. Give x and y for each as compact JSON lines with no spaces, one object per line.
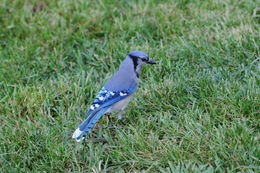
{"x":121,"y":105}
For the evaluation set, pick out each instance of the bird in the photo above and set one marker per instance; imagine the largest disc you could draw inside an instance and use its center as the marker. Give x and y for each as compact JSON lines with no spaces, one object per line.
{"x":116,"y":93}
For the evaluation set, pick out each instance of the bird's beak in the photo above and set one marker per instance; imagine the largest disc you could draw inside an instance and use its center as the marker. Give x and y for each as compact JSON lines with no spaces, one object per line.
{"x":151,"y":62}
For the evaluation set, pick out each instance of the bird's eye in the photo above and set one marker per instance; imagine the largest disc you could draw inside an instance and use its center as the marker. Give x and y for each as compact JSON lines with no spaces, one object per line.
{"x":144,"y":59}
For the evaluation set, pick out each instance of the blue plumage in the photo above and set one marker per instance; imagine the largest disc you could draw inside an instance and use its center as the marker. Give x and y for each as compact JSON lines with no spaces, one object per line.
{"x":86,"y":125}
{"x":116,"y":93}
{"x":137,"y":53}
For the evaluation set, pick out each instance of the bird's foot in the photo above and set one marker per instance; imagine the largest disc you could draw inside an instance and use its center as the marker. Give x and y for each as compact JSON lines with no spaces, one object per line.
{"x":110,"y":125}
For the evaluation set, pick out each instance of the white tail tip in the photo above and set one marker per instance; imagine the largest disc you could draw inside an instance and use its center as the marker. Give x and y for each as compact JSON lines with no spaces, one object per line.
{"x":77,"y":135}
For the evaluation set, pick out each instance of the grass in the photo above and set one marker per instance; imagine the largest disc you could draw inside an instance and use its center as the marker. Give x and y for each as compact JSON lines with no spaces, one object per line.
{"x":198,"y":110}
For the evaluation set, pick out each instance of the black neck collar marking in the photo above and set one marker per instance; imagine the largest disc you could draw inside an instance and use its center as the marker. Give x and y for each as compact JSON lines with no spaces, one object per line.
{"x":135,"y":62}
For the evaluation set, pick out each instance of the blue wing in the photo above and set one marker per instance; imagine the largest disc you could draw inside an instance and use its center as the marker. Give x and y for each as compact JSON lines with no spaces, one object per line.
{"x":101,"y":104}
{"x":106,"y":98}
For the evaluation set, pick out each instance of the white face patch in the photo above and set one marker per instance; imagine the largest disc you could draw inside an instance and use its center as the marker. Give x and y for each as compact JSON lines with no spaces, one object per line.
{"x":140,"y":63}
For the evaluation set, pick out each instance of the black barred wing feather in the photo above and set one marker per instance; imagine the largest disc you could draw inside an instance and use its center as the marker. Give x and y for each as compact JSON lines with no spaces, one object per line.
{"x":106,"y":98}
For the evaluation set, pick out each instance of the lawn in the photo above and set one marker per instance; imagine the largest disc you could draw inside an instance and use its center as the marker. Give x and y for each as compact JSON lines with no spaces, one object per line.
{"x":197,"y":110}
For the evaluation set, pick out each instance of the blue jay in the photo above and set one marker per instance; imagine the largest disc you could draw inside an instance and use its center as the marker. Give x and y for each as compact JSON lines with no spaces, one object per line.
{"x":117,"y":92}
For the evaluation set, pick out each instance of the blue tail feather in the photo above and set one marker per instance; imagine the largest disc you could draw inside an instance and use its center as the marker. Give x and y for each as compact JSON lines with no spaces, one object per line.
{"x":87,"y":124}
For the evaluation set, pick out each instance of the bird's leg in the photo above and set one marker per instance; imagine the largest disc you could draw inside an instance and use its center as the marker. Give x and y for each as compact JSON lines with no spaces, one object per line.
{"x":120,"y":115}
{"x":109,"y":124}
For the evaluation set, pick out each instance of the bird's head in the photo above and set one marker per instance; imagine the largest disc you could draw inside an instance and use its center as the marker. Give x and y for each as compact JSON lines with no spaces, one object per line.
{"x":140,"y":58}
